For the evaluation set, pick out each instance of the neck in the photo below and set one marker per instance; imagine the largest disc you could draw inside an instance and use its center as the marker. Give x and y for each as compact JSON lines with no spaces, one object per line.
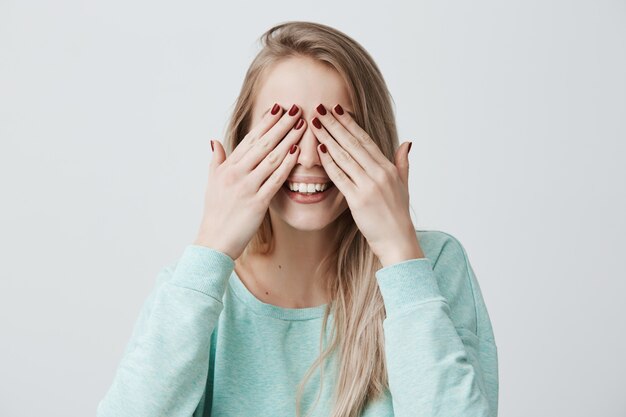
{"x":287,"y":276}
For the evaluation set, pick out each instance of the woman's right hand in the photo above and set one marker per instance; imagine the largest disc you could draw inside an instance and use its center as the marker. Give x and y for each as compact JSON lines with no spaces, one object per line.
{"x":240,"y":187}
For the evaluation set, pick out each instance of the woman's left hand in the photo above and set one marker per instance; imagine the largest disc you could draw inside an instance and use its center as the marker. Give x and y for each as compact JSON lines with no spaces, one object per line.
{"x":375,"y":189}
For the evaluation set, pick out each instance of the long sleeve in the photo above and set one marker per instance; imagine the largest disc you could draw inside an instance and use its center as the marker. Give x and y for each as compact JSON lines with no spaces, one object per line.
{"x":439,"y":345}
{"x":164,"y":368}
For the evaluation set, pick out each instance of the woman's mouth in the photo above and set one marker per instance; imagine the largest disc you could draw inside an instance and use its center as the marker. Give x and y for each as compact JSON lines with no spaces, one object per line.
{"x":318,"y":193}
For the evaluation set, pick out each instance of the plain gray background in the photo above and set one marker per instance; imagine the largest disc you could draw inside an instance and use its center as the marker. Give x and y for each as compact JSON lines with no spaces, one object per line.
{"x":516,"y":109}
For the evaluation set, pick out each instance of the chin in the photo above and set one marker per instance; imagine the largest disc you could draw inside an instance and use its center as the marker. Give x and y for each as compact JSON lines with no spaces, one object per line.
{"x":310,"y":225}
{"x":305,"y":219}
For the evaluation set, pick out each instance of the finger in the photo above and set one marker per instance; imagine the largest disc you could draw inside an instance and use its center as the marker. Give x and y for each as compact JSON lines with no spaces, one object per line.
{"x":277,"y":179}
{"x":269,"y":164}
{"x":219,"y":155}
{"x":401,"y":158}
{"x":362,"y":155}
{"x":340,"y":156}
{"x":337,"y":175}
{"x":269,"y":118}
{"x":266,"y":143}
{"x":350,"y":124}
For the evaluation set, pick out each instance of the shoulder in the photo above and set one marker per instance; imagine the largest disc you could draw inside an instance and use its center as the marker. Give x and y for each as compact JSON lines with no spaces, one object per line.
{"x":454,"y":274}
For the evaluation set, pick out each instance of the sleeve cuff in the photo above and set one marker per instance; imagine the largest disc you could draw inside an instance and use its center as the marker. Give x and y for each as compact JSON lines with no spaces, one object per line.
{"x":407,"y":283}
{"x":204,"y":269}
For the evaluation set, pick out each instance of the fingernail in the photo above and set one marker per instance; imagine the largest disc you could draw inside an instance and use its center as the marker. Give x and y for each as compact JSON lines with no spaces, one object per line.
{"x":212,"y":150}
{"x":275,"y":108}
{"x":323,"y":148}
{"x":317,"y":123}
{"x":339,"y":109}
{"x":321,"y":109}
{"x":299,"y":124}
{"x":293,"y":110}
{"x":293,"y":148}
{"x":410,"y":143}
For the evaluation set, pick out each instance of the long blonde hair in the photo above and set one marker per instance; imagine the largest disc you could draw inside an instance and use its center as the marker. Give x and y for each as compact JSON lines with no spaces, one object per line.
{"x":356,"y":303}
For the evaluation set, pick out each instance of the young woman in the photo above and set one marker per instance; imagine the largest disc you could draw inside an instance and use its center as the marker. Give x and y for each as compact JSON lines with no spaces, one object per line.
{"x":308,"y":289}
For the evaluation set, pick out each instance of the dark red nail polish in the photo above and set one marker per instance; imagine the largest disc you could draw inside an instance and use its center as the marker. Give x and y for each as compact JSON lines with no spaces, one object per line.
{"x":339,"y":109}
{"x":299,"y":124}
{"x":293,"y":110}
{"x":212,"y":150}
{"x":275,"y":108}
{"x":293,"y":148}
{"x":317,"y":123}
{"x":321,"y":110}
{"x":410,"y":143}
{"x":323,"y":148}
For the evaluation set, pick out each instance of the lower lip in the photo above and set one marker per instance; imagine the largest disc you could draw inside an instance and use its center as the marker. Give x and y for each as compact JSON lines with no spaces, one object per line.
{"x":308,"y":199}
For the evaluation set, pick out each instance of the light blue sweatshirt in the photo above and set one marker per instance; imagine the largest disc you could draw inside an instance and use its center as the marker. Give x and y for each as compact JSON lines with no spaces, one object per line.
{"x":204,"y":345}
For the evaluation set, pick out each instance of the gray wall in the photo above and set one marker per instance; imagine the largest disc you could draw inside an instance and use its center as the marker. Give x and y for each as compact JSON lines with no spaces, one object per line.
{"x":516,"y":110}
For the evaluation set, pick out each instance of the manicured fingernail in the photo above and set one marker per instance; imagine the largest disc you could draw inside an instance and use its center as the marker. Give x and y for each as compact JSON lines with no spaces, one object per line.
{"x":410,"y":143}
{"x":323,"y":148}
{"x":317,"y":123}
{"x":275,"y":108}
{"x":293,"y":148}
{"x":293,"y":110}
{"x":339,"y":109}
{"x":212,"y":150}
{"x":299,"y":124}
{"x":321,"y":110}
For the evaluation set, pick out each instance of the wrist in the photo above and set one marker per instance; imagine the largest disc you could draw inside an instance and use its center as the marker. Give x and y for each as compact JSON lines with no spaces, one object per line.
{"x":401,"y":254}
{"x":211,"y":243}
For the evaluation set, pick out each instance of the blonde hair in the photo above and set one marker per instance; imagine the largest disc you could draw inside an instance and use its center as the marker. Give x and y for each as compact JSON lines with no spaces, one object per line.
{"x":356,"y":302}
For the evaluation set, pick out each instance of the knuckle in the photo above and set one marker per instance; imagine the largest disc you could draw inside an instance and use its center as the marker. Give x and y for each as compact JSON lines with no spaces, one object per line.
{"x":249,"y":189}
{"x":343,"y":155}
{"x":275,"y":178}
{"x":353,"y":143}
{"x":251,"y":137}
{"x":380,"y":175}
{"x":265,"y":143}
{"x":230,"y":177}
{"x":363,"y":137}
{"x":272,"y":158}
{"x":340,"y":175}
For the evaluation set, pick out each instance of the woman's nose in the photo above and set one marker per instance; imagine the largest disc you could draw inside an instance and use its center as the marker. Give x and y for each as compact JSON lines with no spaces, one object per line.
{"x":308,"y":143}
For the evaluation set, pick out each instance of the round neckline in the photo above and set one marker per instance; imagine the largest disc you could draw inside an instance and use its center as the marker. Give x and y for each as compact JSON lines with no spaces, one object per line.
{"x":271,"y":310}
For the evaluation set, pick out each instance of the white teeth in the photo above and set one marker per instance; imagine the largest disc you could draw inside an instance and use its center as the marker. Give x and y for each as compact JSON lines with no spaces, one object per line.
{"x":307,"y":188}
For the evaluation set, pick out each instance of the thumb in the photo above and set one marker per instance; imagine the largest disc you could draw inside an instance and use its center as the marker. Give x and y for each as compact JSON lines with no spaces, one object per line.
{"x":402,"y":162}
{"x":219,"y":153}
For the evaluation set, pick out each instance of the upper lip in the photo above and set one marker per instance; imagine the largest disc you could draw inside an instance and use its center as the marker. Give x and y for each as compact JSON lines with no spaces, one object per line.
{"x":308,"y":179}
